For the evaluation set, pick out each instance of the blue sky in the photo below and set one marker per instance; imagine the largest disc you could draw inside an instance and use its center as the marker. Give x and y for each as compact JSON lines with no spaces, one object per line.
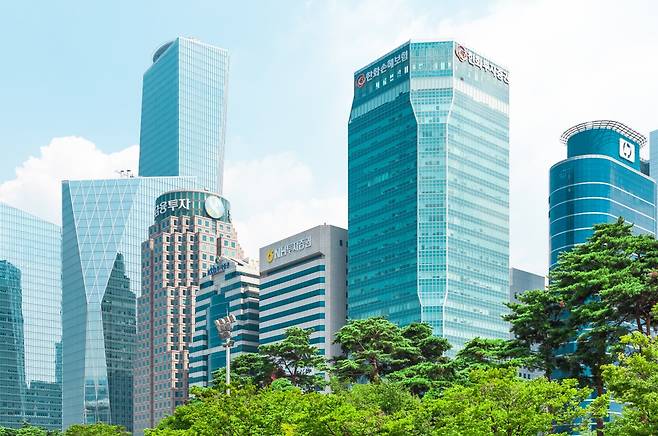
{"x":75,"y":68}
{"x":71,"y":90}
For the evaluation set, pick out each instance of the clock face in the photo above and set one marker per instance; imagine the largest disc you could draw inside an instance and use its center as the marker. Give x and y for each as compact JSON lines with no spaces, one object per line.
{"x":214,"y":207}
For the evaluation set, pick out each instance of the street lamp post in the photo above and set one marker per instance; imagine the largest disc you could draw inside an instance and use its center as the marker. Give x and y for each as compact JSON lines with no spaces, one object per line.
{"x":224,"y":327}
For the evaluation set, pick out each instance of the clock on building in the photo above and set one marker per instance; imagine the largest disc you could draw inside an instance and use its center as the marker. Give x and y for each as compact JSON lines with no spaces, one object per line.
{"x":214,"y":207}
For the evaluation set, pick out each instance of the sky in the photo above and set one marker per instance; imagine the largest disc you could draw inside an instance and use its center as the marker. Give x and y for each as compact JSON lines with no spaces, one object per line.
{"x":71,"y":92}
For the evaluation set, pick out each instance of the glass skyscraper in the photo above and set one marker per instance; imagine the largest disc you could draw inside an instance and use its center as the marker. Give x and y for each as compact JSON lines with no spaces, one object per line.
{"x":183,"y":123}
{"x":12,"y":353}
{"x":104,"y":224}
{"x":601,"y":179}
{"x":428,"y":212}
{"x":30,"y":324}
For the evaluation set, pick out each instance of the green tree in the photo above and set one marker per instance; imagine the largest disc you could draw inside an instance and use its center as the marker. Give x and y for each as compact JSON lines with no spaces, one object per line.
{"x":380,"y":409}
{"x":27,"y":430}
{"x":583,"y":278}
{"x":249,"y":368}
{"x":482,"y":353}
{"x":430,"y":348}
{"x":539,"y":325}
{"x":634,"y":382}
{"x":98,"y":429}
{"x":634,"y":292}
{"x":295,"y":359}
{"x":373,"y":348}
{"x":497,"y":402}
{"x":426,"y":367}
{"x":247,"y":411}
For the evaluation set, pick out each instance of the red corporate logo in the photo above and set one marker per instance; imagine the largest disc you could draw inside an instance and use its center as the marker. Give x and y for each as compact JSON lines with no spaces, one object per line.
{"x":461,"y":53}
{"x":361,"y":80}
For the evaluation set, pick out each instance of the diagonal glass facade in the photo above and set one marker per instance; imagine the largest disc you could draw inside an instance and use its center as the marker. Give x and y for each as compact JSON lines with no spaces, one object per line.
{"x":30,"y":323}
{"x":104,"y":223}
{"x":183,"y":124}
{"x":428,"y":211}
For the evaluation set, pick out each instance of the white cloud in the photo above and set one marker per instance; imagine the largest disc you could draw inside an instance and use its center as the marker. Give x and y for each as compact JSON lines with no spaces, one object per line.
{"x":277,"y":196}
{"x":36,"y":187}
{"x":271,"y":197}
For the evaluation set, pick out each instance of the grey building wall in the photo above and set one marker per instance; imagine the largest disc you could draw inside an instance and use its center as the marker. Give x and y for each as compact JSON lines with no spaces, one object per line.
{"x":303,"y":283}
{"x":521,"y":281}
{"x":653,"y":163}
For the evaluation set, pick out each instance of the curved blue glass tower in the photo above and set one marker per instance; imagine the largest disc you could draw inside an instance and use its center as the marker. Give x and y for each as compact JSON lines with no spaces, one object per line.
{"x":183,"y":124}
{"x":601,"y":179}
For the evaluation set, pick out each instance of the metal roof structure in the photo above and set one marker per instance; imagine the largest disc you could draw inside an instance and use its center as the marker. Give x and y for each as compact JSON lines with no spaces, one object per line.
{"x":605,"y":124}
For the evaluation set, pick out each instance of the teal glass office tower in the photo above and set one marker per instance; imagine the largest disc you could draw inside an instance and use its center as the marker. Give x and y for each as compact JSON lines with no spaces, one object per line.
{"x":428,"y":211}
{"x":30,"y":323}
{"x":12,"y":353}
{"x":104,"y":223}
{"x":183,"y":122}
{"x":601,"y":179}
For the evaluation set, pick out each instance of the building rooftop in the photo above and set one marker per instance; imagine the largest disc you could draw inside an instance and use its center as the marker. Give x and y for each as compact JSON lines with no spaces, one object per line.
{"x":604,"y":124}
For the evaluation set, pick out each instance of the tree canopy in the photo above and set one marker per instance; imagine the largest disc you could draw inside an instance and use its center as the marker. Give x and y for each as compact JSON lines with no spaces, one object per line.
{"x":495,"y":402}
{"x":633,"y":381}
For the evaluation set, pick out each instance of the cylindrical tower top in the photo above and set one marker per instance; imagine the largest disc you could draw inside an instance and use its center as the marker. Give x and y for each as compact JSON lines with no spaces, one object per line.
{"x":163,"y":48}
{"x":192,"y":203}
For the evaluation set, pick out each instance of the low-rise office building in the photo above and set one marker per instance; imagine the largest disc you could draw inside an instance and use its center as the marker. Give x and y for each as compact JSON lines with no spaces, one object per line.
{"x":229,"y":288}
{"x":303,"y":284}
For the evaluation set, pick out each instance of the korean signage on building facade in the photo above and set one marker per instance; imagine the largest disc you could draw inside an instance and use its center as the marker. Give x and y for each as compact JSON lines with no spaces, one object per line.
{"x":221,"y":266}
{"x":381,"y":69}
{"x":172,"y":205}
{"x":466,"y":55}
{"x":275,"y":253}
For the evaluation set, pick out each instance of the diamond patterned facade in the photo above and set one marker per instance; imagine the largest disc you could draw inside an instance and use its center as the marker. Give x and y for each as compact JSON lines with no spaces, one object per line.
{"x":104,"y":223}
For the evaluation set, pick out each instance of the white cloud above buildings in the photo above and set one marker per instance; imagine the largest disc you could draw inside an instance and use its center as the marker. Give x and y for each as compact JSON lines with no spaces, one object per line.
{"x":569,"y":62}
{"x":277,"y":196}
{"x":271,"y":197}
{"x":36,"y":187}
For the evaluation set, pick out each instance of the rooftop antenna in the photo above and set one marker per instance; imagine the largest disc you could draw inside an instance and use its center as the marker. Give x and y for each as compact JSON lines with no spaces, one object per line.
{"x":125,"y":174}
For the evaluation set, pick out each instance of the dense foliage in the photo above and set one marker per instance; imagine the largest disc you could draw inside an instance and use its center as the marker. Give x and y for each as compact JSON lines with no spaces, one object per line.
{"x":598,"y":292}
{"x":99,"y":429}
{"x":634,"y":382}
{"x":495,"y":401}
